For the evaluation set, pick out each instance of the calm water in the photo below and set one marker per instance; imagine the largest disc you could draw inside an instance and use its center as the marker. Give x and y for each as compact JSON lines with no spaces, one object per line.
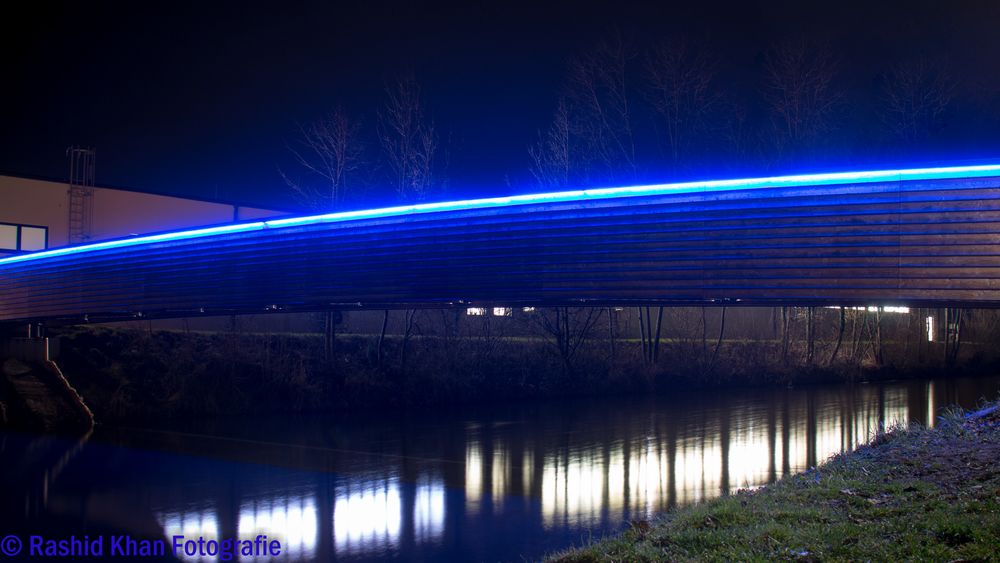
{"x":494,"y":483}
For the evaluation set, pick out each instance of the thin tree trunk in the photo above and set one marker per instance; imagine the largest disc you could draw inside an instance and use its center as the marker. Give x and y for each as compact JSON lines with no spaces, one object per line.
{"x":954,"y":341}
{"x":718,"y":343}
{"x":329,"y":336}
{"x":958,"y":334}
{"x":381,"y":337}
{"x":656,"y":339}
{"x":906,"y":343}
{"x":878,"y":336}
{"x":704,"y":336}
{"x":611,"y":332}
{"x":565,"y":337}
{"x":784,"y":334}
{"x":855,"y":337}
{"x":408,"y":316}
{"x":840,"y":336}
{"x":947,"y":332}
{"x":642,"y":334}
{"x":649,"y":337}
{"x":924,"y":334}
{"x":810,"y":334}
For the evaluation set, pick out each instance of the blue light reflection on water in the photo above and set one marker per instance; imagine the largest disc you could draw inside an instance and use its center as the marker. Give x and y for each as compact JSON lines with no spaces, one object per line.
{"x":482,"y":484}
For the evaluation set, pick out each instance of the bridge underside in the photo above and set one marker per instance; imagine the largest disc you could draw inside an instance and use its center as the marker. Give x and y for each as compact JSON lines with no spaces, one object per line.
{"x":924,"y":242}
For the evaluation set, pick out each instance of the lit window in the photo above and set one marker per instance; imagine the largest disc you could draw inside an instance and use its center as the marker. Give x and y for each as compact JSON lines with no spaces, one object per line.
{"x":33,"y":238}
{"x":876,"y":309}
{"x":930,"y":329}
{"x":476,"y":311}
{"x":8,"y":237}
{"x":502,"y":311}
{"x":528,"y":309}
{"x":23,"y":237}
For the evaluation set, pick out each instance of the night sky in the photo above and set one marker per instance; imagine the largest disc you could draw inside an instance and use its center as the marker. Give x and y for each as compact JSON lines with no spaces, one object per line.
{"x":202,"y":99}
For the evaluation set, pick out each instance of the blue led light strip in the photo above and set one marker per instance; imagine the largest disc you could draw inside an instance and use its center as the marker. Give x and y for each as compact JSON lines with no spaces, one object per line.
{"x":800,"y":180}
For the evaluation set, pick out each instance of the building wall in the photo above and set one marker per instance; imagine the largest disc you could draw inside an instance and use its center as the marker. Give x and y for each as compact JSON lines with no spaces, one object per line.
{"x":116,"y":213}
{"x":36,"y":202}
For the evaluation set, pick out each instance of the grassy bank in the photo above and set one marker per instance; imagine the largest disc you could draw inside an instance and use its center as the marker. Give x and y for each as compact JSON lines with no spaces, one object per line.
{"x":929,"y":494}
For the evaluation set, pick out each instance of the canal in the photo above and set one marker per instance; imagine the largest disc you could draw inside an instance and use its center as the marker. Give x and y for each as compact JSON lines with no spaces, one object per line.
{"x":482,"y":483}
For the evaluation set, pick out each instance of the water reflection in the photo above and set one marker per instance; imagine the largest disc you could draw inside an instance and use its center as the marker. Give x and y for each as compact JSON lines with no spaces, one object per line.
{"x":495,"y":484}
{"x":191,"y":524}
{"x":367,"y":516}
{"x":428,"y":511}
{"x":291,"y":519}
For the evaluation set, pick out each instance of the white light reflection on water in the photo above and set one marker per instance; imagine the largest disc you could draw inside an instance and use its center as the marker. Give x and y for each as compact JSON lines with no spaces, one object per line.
{"x":473,"y":476}
{"x":192,"y":524}
{"x":751,"y":457}
{"x":367,"y":517}
{"x":698,"y":472}
{"x":429,"y":510}
{"x":292,"y":520}
{"x":611,"y":471}
{"x":572,"y":487}
{"x":619,"y":481}
{"x":500,"y":477}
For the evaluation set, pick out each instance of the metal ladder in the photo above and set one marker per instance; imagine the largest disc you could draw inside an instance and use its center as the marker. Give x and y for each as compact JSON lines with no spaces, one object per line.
{"x":81,"y":193}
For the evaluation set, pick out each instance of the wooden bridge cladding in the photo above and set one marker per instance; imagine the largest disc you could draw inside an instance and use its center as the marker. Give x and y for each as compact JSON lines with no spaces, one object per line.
{"x":921,"y":242}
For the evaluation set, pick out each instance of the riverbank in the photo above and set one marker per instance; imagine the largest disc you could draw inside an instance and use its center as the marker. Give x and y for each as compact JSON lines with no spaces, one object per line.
{"x":135,"y":375}
{"x":912,"y":494}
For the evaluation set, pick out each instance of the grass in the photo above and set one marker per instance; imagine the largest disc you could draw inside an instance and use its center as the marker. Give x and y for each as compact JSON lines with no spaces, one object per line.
{"x":913,"y":494}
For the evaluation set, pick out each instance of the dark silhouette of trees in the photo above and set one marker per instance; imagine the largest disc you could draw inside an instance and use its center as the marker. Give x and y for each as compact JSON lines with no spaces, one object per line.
{"x":409,"y":143}
{"x":408,"y":139}
{"x":567,"y":329}
{"x":330,"y":151}
{"x":679,"y":86}
{"x":551,"y":157}
{"x":915,"y":96}
{"x":800,"y":95}
{"x":601,"y":111}
{"x":628,"y":114}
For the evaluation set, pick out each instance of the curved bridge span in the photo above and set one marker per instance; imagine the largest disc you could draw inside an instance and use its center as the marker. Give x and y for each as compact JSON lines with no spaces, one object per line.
{"x":914,"y":237}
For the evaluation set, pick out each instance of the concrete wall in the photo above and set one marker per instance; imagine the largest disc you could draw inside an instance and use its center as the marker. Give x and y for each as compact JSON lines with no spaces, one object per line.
{"x":116,"y":213}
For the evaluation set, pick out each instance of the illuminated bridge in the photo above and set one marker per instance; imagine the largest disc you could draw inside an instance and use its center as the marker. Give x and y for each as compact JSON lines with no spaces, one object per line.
{"x":913,"y":237}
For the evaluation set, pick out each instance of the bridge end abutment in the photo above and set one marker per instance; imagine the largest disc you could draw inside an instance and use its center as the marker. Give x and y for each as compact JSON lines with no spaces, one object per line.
{"x":34,"y":393}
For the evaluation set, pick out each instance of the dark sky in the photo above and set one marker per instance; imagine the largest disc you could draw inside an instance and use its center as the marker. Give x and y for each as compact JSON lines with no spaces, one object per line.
{"x":202,"y":98}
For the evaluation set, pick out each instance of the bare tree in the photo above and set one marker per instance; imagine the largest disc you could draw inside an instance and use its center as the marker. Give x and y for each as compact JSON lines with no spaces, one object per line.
{"x":551,"y":162}
{"x":600,"y":108}
{"x":330,"y":151}
{"x":567,"y":328}
{"x":915,"y":96}
{"x":408,"y":139}
{"x":952,"y":334}
{"x":840,"y":336}
{"x":679,"y":88}
{"x":800,"y":93}
{"x":410,"y":144}
{"x":649,"y":336}
{"x":718,"y":341}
